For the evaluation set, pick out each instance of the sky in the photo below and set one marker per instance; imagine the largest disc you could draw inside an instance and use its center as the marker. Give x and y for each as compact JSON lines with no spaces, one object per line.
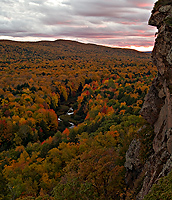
{"x":115,"y":23}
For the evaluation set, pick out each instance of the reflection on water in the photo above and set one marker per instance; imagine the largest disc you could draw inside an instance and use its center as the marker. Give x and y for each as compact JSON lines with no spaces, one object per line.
{"x":70,"y":111}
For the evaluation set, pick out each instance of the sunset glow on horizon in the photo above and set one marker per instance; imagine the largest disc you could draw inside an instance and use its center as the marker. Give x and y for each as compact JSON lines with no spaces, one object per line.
{"x":115,"y":24}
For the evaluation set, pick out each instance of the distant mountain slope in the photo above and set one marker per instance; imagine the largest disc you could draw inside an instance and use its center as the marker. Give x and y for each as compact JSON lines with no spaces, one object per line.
{"x":53,"y":50}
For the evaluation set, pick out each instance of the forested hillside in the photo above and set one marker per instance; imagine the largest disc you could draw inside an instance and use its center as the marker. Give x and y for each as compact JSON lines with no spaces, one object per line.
{"x":68,"y":112}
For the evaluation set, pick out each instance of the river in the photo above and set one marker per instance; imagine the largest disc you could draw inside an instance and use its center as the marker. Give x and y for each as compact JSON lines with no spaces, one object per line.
{"x":69,"y":112}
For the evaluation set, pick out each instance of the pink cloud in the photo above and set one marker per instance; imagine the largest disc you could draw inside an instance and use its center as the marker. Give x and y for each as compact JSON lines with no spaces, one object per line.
{"x":142,"y":5}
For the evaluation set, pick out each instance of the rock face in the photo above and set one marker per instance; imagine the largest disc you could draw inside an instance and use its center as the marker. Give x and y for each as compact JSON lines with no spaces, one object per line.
{"x":157,"y":108}
{"x":133,"y":163}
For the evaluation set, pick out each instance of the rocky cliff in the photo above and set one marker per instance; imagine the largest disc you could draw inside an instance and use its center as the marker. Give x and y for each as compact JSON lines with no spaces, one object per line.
{"x":157,"y":108}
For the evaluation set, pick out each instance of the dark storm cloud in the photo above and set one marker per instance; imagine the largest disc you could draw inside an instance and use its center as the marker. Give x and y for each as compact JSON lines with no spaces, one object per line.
{"x":97,"y":21}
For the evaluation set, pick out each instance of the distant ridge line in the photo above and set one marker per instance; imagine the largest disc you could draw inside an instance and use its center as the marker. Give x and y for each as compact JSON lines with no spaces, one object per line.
{"x":72,"y":41}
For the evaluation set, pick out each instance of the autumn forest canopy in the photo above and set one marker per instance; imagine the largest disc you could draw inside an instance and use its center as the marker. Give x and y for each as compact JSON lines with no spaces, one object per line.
{"x":68,"y":112}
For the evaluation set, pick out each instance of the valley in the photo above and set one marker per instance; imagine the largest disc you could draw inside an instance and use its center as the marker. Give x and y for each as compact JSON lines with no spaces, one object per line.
{"x":68,"y":113}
